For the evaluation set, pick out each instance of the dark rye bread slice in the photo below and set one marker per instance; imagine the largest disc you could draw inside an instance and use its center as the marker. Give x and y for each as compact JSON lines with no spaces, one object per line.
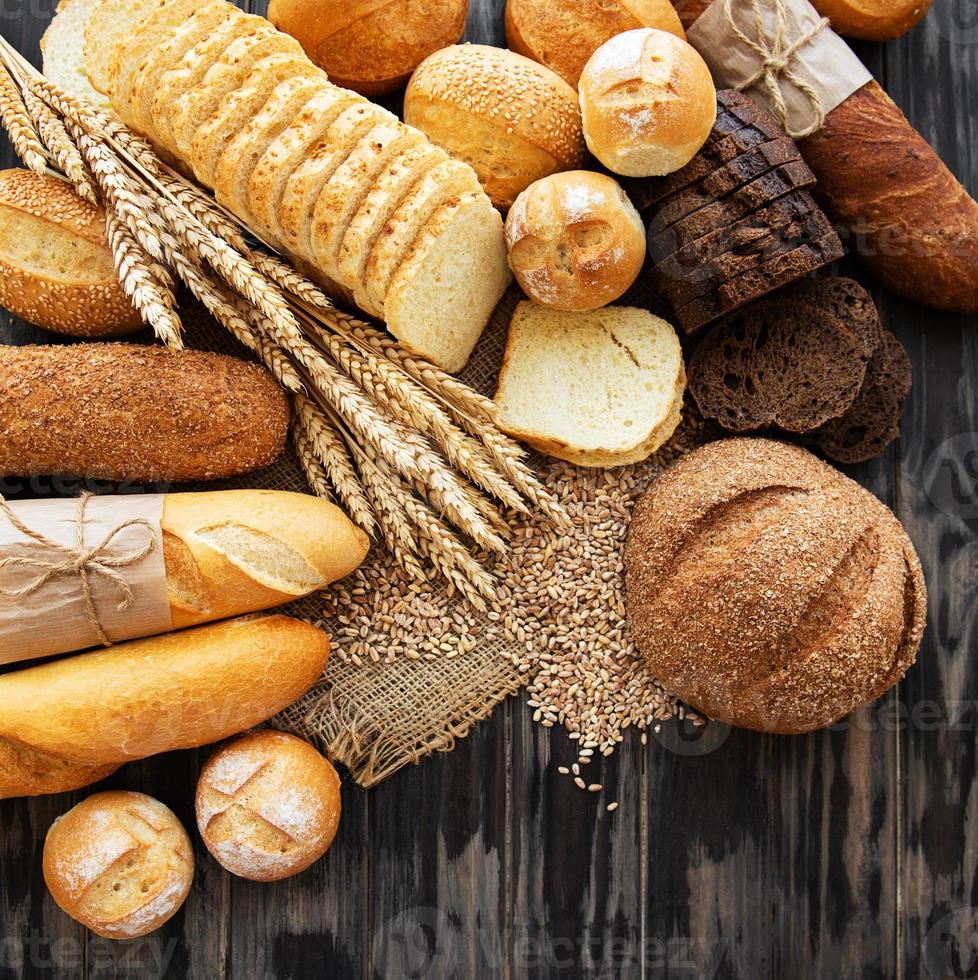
{"x":747,"y":192}
{"x":735,"y":110}
{"x":776,"y":363}
{"x":755,"y":283}
{"x":683,"y":285}
{"x":846,"y":299}
{"x":873,"y":420}
{"x":723,"y":212}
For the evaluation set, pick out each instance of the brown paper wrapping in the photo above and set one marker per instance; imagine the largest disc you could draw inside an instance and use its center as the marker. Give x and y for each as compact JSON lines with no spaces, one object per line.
{"x":53,"y":618}
{"x":825,"y":63}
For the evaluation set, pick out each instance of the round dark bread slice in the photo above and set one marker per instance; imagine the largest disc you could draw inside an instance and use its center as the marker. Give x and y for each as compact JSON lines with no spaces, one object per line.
{"x":684,"y":285}
{"x":776,"y":363}
{"x":735,"y":110}
{"x":846,"y":299}
{"x":755,"y":283}
{"x":873,"y":420}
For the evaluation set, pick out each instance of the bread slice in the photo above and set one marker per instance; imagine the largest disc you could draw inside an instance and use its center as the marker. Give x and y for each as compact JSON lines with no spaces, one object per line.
{"x":239,"y":159}
{"x":143,"y":40}
{"x":240,"y":107}
{"x":289,"y":149}
{"x":344,"y":192}
{"x":170,"y":51}
{"x":303,"y":186}
{"x":442,"y":295}
{"x":63,"y":52}
{"x":229,"y":73}
{"x":447,"y":181}
{"x":110,"y":25}
{"x":602,"y":388}
{"x":184,"y":75}
{"x":392,"y":185}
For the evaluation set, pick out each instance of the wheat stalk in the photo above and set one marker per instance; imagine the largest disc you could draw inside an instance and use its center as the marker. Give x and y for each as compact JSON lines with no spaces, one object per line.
{"x":25,"y":139}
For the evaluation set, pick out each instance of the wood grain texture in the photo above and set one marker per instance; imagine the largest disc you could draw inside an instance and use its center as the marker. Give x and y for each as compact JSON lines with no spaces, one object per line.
{"x":846,"y":853}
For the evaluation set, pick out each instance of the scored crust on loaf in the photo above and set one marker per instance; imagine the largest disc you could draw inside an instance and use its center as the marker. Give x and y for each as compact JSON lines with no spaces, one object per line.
{"x":178,"y":41}
{"x":308,"y":179}
{"x":289,"y":149}
{"x":447,"y":181}
{"x":391,"y":187}
{"x":111,"y":24}
{"x":442,"y":295}
{"x":343,"y":193}
{"x":228,"y":73}
{"x":240,"y":107}
{"x":597,"y":388}
{"x":63,"y":52}
{"x":241,"y":156}
{"x":183,"y":76}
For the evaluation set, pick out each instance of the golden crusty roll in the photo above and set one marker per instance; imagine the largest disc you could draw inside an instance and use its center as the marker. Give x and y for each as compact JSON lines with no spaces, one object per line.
{"x":56,"y":267}
{"x":371,"y":47}
{"x":768,"y":590}
{"x":120,"y":863}
{"x":648,"y":103}
{"x":873,"y":20}
{"x":143,"y":697}
{"x":268,"y":805}
{"x":575,"y":240}
{"x":511,"y":119}
{"x":136,"y":413}
{"x":563,"y":34}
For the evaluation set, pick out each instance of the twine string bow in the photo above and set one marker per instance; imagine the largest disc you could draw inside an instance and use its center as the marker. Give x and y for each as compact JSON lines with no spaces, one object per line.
{"x":776,"y":56}
{"x":81,"y":560}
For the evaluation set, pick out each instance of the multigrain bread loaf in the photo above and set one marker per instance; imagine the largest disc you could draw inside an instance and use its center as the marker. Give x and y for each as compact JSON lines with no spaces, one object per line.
{"x":767,"y":590}
{"x":56,"y":266}
{"x":268,"y":805}
{"x":130,"y":412}
{"x":70,"y":722}
{"x":371,"y":47}
{"x":647,"y":103}
{"x":575,"y":241}
{"x":603,"y":388}
{"x":120,"y":863}
{"x":510,"y":118}
{"x":873,"y":20}
{"x":563,"y":34}
{"x":243,"y":106}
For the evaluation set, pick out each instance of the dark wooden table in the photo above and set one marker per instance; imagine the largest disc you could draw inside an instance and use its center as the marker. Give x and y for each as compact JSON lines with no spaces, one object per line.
{"x":847,"y":853}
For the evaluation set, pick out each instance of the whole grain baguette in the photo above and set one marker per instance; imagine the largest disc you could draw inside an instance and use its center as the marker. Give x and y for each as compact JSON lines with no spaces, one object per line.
{"x":129,"y":412}
{"x":70,"y":722}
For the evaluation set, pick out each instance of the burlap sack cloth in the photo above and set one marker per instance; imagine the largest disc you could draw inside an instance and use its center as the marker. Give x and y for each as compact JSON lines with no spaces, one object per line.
{"x":374,"y":716}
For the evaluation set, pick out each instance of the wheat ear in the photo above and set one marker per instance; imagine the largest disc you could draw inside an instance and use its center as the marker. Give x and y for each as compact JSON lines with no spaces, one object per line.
{"x":63,"y":151}
{"x":24,"y":137}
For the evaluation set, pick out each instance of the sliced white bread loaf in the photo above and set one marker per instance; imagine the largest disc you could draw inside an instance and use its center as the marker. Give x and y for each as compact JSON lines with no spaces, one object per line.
{"x":111,"y":24}
{"x":63,"y":52}
{"x":602,"y":388}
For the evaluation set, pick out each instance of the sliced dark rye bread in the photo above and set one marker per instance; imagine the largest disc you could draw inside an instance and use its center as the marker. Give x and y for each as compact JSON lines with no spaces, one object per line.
{"x":777,"y":363}
{"x":847,"y":300}
{"x":735,"y":110}
{"x":684,"y":284}
{"x":755,"y":283}
{"x":873,"y":420}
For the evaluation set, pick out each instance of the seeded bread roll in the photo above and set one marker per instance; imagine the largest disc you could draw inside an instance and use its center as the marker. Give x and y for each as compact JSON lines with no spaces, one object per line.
{"x":268,"y":805}
{"x":648,"y":103}
{"x":512,"y":120}
{"x":563,"y":34}
{"x":575,"y":241}
{"x":371,"y":47}
{"x":56,"y":267}
{"x":130,"y":412}
{"x":769,"y":591}
{"x":119,"y":863}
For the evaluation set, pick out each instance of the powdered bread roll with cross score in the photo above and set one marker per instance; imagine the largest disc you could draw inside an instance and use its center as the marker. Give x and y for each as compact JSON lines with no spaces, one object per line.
{"x":769,"y":591}
{"x":648,"y":103}
{"x":120,"y":863}
{"x":268,"y":805}
{"x":243,"y":106}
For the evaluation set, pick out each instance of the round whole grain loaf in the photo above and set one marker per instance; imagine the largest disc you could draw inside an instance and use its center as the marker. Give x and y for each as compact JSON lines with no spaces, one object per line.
{"x":768,"y":590}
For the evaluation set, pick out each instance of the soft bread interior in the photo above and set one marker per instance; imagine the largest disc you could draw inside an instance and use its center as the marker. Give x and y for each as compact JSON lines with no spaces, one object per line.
{"x":63,"y":48}
{"x":45,"y":249}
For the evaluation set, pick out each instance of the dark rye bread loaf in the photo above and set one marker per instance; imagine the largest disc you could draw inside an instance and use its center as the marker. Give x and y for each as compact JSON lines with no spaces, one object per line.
{"x":758,"y":282}
{"x":136,"y":413}
{"x":777,"y":363}
{"x":769,"y":591}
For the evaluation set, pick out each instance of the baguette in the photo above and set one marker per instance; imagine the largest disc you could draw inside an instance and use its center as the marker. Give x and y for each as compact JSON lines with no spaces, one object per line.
{"x":68,"y":723}
{"x":912,"y":222}
{"x":127,"y":412}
